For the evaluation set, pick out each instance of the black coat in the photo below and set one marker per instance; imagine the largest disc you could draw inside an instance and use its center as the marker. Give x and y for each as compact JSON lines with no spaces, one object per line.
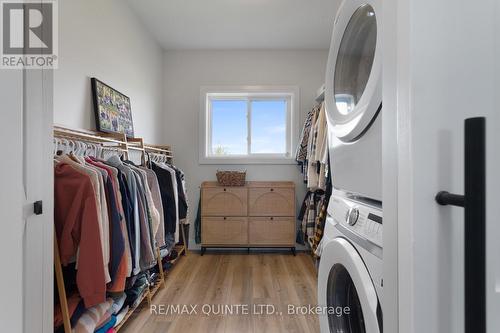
{"x":167,"y":197}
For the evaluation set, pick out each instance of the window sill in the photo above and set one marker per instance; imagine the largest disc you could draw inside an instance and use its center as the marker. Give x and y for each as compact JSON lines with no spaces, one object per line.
{"x":246,"y":160}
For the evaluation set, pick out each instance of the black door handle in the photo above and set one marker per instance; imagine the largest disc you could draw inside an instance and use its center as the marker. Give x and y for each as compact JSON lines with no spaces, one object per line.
{"x":474,"y":202}
{"x":38,"y":207}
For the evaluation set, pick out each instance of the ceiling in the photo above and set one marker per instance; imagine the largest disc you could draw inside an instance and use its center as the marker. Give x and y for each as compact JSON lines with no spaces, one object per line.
{"x":238,"y":24}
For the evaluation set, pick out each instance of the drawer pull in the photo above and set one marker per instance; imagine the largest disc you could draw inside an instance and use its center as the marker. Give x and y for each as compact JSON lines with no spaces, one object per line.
{"x":272,"y":218}
{"x":272,"y":190}
{"x":225,"y":190}
{"x":225,"y":218}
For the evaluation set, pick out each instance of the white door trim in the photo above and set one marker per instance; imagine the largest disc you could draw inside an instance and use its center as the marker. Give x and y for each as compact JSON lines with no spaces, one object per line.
{"x":397,"y":169}
{"x":38,"y":184}
{"x":11,"y":246}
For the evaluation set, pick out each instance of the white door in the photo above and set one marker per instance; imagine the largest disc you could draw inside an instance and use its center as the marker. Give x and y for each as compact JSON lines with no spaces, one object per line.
{"x":441,"y":66}
{"x":11,"y":245}
{"x":26,"y":248}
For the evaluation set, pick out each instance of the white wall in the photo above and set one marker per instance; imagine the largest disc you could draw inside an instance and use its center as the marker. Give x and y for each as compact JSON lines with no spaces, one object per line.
{"x":104,"y":39}
{"x":186,"y":71}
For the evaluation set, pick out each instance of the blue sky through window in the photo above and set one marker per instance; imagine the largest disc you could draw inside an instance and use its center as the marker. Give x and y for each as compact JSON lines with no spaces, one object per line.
{"x":230,"y":127}
{"x":269,"y":127}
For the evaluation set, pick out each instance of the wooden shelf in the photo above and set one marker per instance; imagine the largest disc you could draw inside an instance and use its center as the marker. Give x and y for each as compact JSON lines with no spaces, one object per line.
{"x":154,"y":289}
{"x":159,"y":283}
{"x":132,"y":310}
{"x":105,"y":139}
{"x":180,"y":251}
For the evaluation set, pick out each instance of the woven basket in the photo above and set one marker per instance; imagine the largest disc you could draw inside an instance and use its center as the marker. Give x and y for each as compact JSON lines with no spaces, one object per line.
{"x":231,"y":178}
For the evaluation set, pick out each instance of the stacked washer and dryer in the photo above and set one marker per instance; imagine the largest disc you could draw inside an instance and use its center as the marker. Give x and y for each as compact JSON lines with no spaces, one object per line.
{"x":350,"y":270}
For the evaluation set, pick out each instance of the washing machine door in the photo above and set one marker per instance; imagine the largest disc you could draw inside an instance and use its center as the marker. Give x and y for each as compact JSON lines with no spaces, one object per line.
{"x":344,"y":283}
{"x":353,"y":93}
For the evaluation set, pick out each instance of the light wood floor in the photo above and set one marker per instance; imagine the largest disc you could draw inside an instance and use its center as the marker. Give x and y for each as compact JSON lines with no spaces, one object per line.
{"x":233,"y":279}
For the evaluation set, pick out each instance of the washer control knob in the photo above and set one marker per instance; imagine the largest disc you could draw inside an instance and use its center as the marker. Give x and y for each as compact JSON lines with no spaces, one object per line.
{"x":353,"y":216}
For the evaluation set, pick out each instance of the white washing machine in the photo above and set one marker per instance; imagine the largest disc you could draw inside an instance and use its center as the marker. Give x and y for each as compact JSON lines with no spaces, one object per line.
{"x":353,"y":97}
{"x":350,"y":279}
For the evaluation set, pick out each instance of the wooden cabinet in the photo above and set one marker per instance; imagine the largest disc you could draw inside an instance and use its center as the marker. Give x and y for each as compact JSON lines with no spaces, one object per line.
{"x":224,"y":201}
{"x":271,"y":201}
{"x":224,"y":231}
{"x":271,"y":231}
{"x":259,"y":214}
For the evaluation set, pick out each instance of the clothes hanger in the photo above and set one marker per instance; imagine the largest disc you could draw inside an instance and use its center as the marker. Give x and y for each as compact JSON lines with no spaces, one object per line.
{"x":81,"y":149}
{"x":56,"y":146}
{"x":87,"y":150}
{"x":76,"y":149}
{"x":96,"y":150}
{"x":85,"y":147}
{"x":65,"y":147}
{"x":105,"y":153}
{"x":90,"y":150}
{"x":71,"y":147}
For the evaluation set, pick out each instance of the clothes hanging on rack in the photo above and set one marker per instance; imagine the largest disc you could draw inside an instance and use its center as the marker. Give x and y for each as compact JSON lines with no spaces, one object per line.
{"x":181,"y":194}
{"x":312,"y":152}
{"x":307,"y":216}
{"x":173,"y":192}
{"x":317,"y":151}
{"x":78,"y":228}
{"x":110,"y":217}
{"x":133,"y":223}
{"x":313,"y":214}
{"x":319,"y":228}
{"x":167,"y":196}
{"x":301,"y":153}
{"x":156,"y":196}
{"x":175,"y":197}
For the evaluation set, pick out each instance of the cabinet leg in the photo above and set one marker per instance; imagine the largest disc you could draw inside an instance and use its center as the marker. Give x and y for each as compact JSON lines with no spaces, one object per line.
{"x":294,"y":252}
{"x":248,"y":250}
{"x":203,"y":249}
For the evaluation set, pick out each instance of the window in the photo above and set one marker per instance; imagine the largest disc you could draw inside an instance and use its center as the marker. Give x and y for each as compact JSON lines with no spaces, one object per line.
{"x":247,"y":125}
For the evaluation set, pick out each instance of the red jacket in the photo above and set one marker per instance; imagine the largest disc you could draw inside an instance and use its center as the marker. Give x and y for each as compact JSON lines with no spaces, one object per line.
{"x":77,"y":228}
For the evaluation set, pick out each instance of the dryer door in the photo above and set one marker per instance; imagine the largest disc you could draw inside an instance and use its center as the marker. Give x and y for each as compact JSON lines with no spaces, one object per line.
{"x":353,"y":93}
{"x":347,"y":290}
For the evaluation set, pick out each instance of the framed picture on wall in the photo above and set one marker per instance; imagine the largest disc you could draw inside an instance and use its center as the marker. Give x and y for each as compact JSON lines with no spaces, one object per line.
{"x":112,"y":109}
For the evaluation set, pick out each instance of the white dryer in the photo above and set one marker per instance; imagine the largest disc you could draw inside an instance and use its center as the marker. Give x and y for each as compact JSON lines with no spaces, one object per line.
{"x":353,"y":97}
{"x":350,"y":279}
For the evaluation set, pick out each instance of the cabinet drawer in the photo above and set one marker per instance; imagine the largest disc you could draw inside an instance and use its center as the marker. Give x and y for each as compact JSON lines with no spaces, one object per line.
{"x":271,"y":231}
{"x":224,"y":231}
{"x":270,"y":201}
{"x":224,"y":201}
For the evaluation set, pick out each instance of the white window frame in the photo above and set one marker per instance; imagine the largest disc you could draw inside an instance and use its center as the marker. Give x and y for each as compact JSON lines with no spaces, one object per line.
{"x":209,"y":93}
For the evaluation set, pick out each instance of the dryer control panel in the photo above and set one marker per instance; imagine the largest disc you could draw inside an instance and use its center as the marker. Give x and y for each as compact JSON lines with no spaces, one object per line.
{"x":362,"y":219}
